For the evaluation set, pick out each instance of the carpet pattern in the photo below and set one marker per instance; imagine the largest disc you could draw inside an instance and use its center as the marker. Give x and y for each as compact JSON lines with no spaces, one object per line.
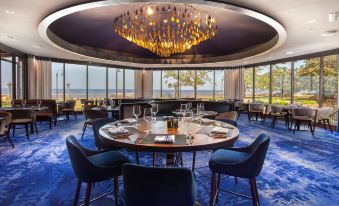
{"x":299,"y":169}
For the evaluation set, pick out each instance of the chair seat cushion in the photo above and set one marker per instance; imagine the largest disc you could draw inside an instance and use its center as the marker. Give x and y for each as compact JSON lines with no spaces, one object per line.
{"x":21,"y":121}
{"x":109,"y":159}
{"x":67,"y":110}
{"x":222,"y":157}
{"x":44,"y":114}
{"x":303,"y":118}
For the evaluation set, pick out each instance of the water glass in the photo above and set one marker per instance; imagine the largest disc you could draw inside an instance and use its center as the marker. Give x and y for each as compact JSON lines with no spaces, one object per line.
{"x":112,"y":103}
{"x":147,"y":114}
{"x":39,"y":103}
{"x":155,"y":110}
{"x":23,"y":103}
{"x":136,"y":113}
{"x":189,"y":105}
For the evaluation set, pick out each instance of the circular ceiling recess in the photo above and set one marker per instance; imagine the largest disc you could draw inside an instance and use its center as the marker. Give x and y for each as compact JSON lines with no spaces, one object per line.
{"x":87,"y":29}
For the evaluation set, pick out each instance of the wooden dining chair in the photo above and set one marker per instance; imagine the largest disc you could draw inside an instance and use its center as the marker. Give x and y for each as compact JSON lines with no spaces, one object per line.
{"x":24,"y":117}
{"x":4,"y":125}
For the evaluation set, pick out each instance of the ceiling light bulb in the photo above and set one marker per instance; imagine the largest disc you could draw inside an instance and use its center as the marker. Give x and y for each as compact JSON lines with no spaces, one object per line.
{"x":149,"y":11}
{"x":311,"y":21}
{"x":10,"y":12}
{"x":289,"y":52}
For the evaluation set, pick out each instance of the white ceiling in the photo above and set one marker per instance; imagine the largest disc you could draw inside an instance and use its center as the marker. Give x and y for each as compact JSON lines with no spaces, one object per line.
{"x":304,"y":21}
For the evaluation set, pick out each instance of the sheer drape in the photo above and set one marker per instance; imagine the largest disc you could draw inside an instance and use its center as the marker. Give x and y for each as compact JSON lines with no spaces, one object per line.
{"x":143,"y":81}
{"x":39,"y":76}
{"x":234,"y":83}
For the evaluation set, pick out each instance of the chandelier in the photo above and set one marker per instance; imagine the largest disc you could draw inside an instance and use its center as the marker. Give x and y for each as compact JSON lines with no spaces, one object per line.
{"x":166,"y":29}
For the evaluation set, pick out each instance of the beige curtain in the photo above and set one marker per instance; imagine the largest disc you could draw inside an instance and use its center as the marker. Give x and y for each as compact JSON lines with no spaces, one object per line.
{"x":40,"y":79}
{"x":143,"y":83}
{"x":234,"y":83}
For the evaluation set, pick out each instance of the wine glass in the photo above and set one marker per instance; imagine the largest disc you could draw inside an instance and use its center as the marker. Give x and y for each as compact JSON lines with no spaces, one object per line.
{"x":119,"y":102}
{"x":200,"y":112}
{"x":155,"y":110}
{"x":39,"y":103}
{"x":12,"y":103}
{"x":112,"y":103}
{"x":136,"y":113}
{"x":189,"y":105}
{"x":23,"y":103}
{"x":147,"y":114}
{"x":183,"y":108}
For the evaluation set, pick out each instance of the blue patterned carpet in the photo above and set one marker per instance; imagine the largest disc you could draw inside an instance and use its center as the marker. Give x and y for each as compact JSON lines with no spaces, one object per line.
{"x":299,"y":169}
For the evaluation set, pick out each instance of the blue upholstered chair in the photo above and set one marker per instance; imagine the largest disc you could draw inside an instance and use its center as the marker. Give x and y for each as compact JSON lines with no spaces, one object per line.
{"x":94,"y":166}
{"x":154,"y":186}
{"x":100,"y":142}
{"x":244,"y":162}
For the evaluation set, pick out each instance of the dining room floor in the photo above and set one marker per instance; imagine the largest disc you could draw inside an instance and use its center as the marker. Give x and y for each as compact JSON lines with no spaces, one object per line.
{"x":300,"y":169}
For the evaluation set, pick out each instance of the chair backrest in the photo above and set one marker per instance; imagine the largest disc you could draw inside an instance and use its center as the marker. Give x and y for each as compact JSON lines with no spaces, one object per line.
{"x":232,"y":115}
{"x":22,"y":114}
{"x":276,"y":108}
{"x":82,"y":167}
{"x":126,"y":109}
{"x":303,"y":112}
{"x":68,"y":104}
{"x":325,"y":112}
{"x":258,"y":151}
{"x":94,"y":114}
{"x":257,"y":106}
{"x":100,"y":142}
{"x":4,"y":123}
{"x":153,"y":186}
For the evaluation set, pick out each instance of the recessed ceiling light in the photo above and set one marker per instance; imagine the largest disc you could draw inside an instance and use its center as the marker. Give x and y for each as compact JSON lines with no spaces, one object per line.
{"x":289,"y":52}
{"x":329,"y":33}
{"x":244,"y":62}
{"x":311,"y":21}
{"x":36,"y":46}
{"x":9,"y":12}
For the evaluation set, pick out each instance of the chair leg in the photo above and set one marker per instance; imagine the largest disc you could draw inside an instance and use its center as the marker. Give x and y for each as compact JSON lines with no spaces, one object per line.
{"x":329,"y":125}
{"x":50,"y":123}
{"x":116,"y":190}
{"x":88,"y":194}
{"x":13,"y":130}
{"x":27,"y":133}
{"x":193,"y":161}
{"x":36,"y":128}
{"x":253,"y":183}
{"x":295,"y":126}
{"x":236,"y":180}
{"x":10,"y":139}
{"x":310,"y":125}
{"x":77,"y":193}
{"x":324,"y":124}
{"x":83,"y":130}
{"x":137,"y":157}
{"x":218,"y":186}
{"x":213,"y":188}
{"x":153,"y":157}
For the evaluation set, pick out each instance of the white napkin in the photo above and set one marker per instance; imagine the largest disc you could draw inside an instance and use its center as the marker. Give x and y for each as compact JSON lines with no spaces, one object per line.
{"x":220,"y":130}
{"x":127,"y":121}
{"x":117,"y":130}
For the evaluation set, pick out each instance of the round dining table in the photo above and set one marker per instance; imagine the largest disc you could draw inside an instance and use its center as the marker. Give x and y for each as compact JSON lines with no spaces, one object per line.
{"x":191,"y":135}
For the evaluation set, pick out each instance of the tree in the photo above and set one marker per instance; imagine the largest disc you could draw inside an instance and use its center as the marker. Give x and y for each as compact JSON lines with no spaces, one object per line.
{"x":186,"y":78}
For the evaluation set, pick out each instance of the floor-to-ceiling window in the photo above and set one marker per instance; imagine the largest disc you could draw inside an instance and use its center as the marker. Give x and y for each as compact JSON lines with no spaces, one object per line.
{"x":248,"y":81}
{"x":96,"y":82}
{"x":281,"y":83}
{"x":129,"y":84}
{"x":170,"y":84}
{"x":58,"y":81}
{"x":120,"y":83}
{"x":219,"y":84}
{"x":205,"y":80}
{"x":157,"y":84}
{"x":19,"y":69}
{"x":330,"y":81}
{"x":112,"y":82}
{"x":76,"y":83}
{"x":187,"y":83}
{"x":262,"y":83}
{"x":306,"y":82}
{"x":6,"y":78}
